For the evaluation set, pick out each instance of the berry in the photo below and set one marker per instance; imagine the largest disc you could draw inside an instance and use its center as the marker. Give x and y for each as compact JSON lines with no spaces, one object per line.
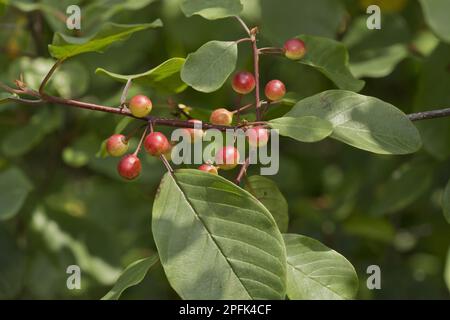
{"x":195,"y":135}
{"x":208,"y":168}
{"x":129,"y":167}
{"x":227,"y":158}
{"x":140,"y":106}
{"x":117,"y":145}
{"x":156,"y":144}
{"x":257,"y":136}
{"x":294,"y":49}
{"x":244,"y":82}
{"x":221,"y":117}
{"x":275,"y":90}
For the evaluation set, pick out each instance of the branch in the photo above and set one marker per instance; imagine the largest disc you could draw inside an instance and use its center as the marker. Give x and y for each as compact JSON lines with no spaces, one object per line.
{"x":48,"y":76}
{"x":243,"y":171}
{"x":426,"y":115}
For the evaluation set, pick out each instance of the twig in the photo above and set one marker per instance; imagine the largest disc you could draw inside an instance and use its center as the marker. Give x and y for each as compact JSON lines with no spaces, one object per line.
{"x":166,"y":164}
{"x":244,"y":25}
{"x":243,"y":171}
{"x":426,"y":115}
{"x":141,"y":141}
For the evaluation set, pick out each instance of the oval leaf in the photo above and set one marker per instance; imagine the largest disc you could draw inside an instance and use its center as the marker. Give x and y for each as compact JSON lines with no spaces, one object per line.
{"x":131,"y":276}
{"x":215,"y":240}
{"x":267,"y":192}
{"x":165,"y":77}
{"x":316,"y":272}
{"x":64,"y":46}
{"x":15,"y":187}
{"x":305,"y":129}
{"x":212,"y":9}
{"x":363,"y":122}
{"x":446,"y":202}
{"x":436,"y":16}
{"x":331,"y":59}
{"x":208,"y":68}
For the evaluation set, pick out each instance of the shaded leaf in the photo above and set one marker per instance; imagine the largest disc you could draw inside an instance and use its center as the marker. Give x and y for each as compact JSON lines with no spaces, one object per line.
{"x":131,"y":276}
{"x":404,"y":187}
{"x":363,"y":122}
{"x":446,"y":202}
{"x":14,"y":186}
{"x":166,"y":76}
{"x":330,"y":58}
{"x":200,"y":217}
{"x":316,"y":272}
{"x":208,"y":68}
{"x":436,"y":15}
{"x":64,"y":46}
{"x":267,"y":192}
{"x":305,"y":129}
{"x":212,"y":9}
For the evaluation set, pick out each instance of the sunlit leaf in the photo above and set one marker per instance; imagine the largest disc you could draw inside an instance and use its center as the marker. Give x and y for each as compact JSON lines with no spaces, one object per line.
{"x":304,"y":129}
{"x":212,"y":9}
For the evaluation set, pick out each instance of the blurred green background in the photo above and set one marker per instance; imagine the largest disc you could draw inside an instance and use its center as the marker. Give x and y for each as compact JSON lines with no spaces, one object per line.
{"x":71,"y":207}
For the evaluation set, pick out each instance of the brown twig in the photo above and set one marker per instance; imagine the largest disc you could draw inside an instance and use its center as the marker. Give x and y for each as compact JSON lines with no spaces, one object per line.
{"x":243,"y":171}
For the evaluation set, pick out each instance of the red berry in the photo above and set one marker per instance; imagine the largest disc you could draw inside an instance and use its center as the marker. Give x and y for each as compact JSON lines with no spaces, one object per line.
{"x":275,"y":90}
{"x":129,"y":167}
{"x":208,"y":168}
{"x":193,"y":134}
{"x":244,"y":82}
{"x":227,"y":158}
{"x":257,"y":136}
{"x":221,"y":117}
{"x":117,"y":145}
{"x":294,"y":49}
{"x":156,"y":144}
{"x":140,"y":106}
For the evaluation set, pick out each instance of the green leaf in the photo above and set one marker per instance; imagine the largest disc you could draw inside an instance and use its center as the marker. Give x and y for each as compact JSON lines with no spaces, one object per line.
{"x":305,"y":129}
{"x":64,"y":46}
{"x":131,"y":276}
{"x":319,"y":17}
{"x":316,"y":272}
{"x":331,"y":59}
{"x":267,"y":192}
{"x":208,"y":68}
{"x":212,"y":9}
{"x":436,"y":16}
{"x":200,"y":217}
{"x":376,"y":54}
{"x":23,"y":139}
{"x":447,"y":270}
{"x":165,"y":77}
{"x":363,"y":122}
{"x":432,"y":95}
{"x":14,"y":186}
{"x":446,"y":202}
{"x":4,"y":96}
{"x":405,"y":186}
{"x":13,"y":264}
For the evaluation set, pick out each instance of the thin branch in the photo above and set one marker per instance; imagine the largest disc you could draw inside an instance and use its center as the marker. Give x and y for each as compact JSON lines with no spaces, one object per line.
{"x":141,"y":141}
{"x":48,"y":76}
{"x":243,"y":40}
{"x":166,"y":164}
{"x":243,"y":171}
{"x":244,"y":25}
{"x":427,"y":115}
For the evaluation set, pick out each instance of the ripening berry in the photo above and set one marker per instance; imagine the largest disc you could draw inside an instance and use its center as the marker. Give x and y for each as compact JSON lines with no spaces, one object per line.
{"x":195,"y":135}
{"x":208,"y":168}
{"x":243,"y":82}
{"x":221,"y":117}
{"x":140,"y":106}
{"x":129,"y":167}
{"x":275,"y":90}
{"x":117,"y":145}
{"x":294,"y":49}
{"x":227,"y":158}
{"x":257,"y":136}
{"x":156,"y":144}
